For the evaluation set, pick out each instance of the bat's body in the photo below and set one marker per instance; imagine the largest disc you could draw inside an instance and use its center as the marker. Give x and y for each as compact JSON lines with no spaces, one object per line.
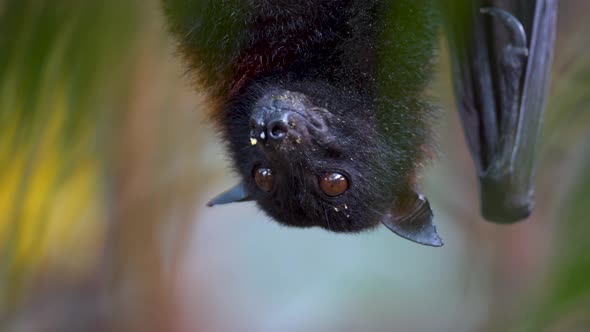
{"x":321,"y":105}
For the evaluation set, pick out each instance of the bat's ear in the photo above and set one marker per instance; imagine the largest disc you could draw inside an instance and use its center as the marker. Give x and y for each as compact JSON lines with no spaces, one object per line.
{"x":411,"y":218}
{"x":239,"y":193}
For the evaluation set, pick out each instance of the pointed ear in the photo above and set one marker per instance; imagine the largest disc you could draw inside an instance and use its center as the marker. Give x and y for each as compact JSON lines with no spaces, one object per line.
{"x":412,"y":219}
{"x":239,"y":193}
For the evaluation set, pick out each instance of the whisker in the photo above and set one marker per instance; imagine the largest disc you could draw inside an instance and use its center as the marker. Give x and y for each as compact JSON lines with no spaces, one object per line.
{"x":328,"y":226}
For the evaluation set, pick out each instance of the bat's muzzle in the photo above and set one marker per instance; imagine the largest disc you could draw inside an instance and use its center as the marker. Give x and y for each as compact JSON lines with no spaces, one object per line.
{"x":287,"y":121}
{"x":274,"y":127}
{"x":279,"y":129}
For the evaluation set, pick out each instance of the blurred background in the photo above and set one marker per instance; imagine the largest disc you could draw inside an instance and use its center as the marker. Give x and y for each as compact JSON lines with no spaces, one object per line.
{"x":106,"y":164}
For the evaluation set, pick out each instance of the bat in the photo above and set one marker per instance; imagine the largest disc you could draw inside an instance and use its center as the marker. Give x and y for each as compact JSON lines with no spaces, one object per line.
{"x":501,"y":55}
{"x":322,"y":106}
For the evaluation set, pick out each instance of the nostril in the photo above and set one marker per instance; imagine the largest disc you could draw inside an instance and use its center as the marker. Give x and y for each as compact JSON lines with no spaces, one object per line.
{"x":317,"y":122}
{"x":278,"y":129}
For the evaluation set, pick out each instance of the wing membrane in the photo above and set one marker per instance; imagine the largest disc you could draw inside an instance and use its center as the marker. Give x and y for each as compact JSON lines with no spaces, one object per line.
{"x":501,"y":54}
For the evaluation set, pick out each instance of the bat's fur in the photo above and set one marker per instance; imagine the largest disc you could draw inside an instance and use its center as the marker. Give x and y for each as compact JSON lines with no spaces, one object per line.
{"x":366,"y":62}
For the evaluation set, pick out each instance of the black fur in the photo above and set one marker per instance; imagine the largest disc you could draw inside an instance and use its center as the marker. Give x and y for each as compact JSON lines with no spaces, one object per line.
{"x":366,"y":62}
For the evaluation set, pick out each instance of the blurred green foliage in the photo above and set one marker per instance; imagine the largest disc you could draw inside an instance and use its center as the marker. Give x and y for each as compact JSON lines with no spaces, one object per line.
{"x":62,"y":73}
{"x":566,"y":295}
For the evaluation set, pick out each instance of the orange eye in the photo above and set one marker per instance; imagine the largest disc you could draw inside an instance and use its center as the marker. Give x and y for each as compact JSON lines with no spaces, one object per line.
{"x":333,"y":184}
{"x":264,"y":178}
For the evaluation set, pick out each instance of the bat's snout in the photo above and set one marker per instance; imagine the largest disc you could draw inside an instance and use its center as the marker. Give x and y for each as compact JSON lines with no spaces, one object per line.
{"x":278,"y":128}
{"x":274,"y":127}
{"x":287,"y":121}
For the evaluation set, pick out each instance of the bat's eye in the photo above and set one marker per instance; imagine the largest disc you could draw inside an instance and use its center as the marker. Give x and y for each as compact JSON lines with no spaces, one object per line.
{"x":264,"y":178}
{"x":333,"y":184}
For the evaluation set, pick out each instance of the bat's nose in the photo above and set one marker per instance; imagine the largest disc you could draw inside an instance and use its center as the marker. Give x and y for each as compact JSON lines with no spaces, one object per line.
{"x":273,"y":128}
{"x":277,"y":129}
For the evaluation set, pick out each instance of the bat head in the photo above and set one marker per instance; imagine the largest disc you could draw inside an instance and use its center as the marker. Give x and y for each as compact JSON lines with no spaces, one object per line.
{"x":315,"y":156}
